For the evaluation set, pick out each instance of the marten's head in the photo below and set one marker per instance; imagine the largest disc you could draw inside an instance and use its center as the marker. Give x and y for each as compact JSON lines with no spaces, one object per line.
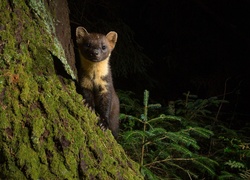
{"x":95,"y":47}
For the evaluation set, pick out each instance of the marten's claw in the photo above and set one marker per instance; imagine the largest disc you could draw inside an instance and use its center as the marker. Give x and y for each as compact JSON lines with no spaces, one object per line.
{"x":103,"y":125}
{"x":103,"y":128}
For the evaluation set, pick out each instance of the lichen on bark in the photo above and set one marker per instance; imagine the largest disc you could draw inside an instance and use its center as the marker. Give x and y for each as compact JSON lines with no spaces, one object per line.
{"x":45,"y":130}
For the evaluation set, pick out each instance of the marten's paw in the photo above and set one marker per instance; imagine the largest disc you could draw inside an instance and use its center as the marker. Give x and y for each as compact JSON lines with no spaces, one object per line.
{"x":103,"y":125}
{"x":89,"y":107}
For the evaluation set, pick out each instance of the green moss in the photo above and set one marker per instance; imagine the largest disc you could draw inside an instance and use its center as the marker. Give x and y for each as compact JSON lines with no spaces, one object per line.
{"x":58,"y":167}
{"x":28,"y":158}
{"x":4,"y":120}
{"x":58,"y":51}
{"x":38,"y":129}
{"x":13,"y":171}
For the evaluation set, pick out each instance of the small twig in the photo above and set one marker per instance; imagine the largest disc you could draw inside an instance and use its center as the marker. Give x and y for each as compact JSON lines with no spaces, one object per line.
{"x":144,"y":125}
{"x":224,"y":96}
{"x":170,"y":159}
{"x":187,"y":97}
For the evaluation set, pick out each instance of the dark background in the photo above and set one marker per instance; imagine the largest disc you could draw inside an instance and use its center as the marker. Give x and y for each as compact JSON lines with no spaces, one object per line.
{"x":201,"y":46}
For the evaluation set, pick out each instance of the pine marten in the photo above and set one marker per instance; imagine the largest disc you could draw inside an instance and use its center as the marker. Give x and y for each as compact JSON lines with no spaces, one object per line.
{"x":95,"y":76}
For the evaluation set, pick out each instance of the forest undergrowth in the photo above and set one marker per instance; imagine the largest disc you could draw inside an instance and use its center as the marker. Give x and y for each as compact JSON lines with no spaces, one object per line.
{"x":185,"y":140}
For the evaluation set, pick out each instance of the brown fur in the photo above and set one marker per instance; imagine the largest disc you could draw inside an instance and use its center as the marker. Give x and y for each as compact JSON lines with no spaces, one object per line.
{"x":95,"y":76}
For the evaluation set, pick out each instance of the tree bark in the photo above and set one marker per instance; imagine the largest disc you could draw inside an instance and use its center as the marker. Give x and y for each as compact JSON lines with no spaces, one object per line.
{"x":45,"y":130}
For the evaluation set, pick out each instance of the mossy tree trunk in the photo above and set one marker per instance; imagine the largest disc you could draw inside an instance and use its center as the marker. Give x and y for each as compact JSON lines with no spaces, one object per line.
{"x":45,"y":131}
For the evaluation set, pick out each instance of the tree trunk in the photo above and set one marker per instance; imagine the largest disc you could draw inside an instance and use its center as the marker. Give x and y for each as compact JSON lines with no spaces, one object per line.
{"x":45,"y":131}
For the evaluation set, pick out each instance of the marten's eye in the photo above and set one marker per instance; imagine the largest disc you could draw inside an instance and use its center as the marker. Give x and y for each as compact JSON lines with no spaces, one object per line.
{"x":104,"y":47}
{"x":87,"y":44}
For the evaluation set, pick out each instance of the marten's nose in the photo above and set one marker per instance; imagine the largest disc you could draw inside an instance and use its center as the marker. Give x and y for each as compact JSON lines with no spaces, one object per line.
{"x":96,"y":52}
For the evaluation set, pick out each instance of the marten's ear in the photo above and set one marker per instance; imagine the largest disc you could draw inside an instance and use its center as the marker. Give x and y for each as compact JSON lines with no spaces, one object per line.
{"x":112,"y":38}
{"x":80,"y":33}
